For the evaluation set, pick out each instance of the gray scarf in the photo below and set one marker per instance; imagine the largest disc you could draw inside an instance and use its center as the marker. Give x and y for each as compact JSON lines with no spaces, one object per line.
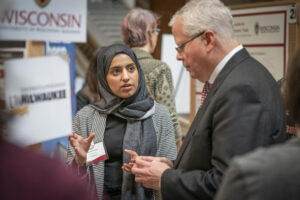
{"x":140,"y":134}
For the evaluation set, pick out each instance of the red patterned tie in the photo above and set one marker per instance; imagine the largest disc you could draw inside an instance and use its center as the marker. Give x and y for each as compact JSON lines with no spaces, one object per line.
{"x":204,"y":92}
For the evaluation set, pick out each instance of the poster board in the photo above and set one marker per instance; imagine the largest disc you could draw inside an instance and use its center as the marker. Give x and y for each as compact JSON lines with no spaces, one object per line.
{"x":270,"y":31}
{"x":18,"y":49}
{"x":37,"y":92}
{"x":180,"y":77}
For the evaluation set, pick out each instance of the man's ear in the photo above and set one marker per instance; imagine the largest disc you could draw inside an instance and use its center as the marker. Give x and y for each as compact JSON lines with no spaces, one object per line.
{"x":210,"y":40}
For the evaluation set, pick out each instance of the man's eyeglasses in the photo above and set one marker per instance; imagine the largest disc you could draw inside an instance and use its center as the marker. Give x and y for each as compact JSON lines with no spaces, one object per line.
{"x":180,"y":48}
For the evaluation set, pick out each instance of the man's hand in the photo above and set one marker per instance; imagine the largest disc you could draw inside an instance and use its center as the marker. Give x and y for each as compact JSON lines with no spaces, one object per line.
{"x":157,"y":159}
{"x":148,"y":170}
{"x":81,"y":146}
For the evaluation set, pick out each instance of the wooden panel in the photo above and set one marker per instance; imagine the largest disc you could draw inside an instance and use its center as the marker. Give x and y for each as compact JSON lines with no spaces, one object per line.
{"x":192,"y":100}
{"x":35,"y":49}
{"x":297,"y":29}
{"x":165,"y":9}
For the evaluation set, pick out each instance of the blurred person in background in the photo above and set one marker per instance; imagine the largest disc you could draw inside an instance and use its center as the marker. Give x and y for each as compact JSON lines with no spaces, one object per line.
{"x":125,"y":118}
{"x":140,"y":32}
{"x":27,"y":175}
{"x":89,"y":91}
{"x":270,"y":173}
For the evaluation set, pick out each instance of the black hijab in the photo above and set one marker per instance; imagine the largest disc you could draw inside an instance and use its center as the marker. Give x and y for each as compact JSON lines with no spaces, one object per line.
{"x":133,"y":107}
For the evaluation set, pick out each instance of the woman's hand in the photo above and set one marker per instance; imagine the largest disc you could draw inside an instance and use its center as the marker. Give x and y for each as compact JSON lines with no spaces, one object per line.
{"x":127,"y":167}
{"x":81,"y":146}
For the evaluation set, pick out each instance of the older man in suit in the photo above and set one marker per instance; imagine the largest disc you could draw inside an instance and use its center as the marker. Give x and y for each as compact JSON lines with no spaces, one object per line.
{"x":269,"y":173}
{"x":242,"y":110}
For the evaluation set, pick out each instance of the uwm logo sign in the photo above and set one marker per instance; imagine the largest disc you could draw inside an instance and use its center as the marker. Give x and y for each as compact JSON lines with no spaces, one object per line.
{"x":42,"y":3}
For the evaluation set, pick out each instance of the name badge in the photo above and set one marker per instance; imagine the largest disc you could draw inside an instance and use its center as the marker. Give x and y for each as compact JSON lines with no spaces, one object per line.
{"x":96,"y":153}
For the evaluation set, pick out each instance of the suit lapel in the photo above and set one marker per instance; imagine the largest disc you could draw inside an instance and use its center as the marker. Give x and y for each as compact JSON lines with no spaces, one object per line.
{"x":187,"y":139}
{"x":230,"y":65}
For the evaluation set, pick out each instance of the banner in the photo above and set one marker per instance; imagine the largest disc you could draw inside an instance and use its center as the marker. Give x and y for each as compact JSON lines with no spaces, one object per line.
{"x":37,"y":92}
{"x":46,"y":20}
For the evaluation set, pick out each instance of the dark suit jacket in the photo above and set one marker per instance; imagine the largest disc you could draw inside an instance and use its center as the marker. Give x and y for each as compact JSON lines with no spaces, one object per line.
{"x":266,"y":174}
{"x":25,"y":175}
{"x":243,"y":110}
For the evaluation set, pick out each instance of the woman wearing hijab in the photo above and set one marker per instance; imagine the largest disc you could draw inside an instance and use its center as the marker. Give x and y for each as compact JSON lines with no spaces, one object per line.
{"x":125,"y":117}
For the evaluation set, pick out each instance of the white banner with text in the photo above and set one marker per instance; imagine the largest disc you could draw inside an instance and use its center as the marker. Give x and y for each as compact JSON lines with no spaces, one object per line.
{"x":37,"y":92}
{"x":43,"y":20}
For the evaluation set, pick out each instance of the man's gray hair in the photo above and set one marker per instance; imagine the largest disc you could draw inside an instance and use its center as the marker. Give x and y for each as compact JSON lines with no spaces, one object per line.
{"x":200,"y":15}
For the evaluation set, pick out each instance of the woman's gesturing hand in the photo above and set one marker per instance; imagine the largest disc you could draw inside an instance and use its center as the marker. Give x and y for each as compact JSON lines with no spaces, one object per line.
{"x":81,"y":146}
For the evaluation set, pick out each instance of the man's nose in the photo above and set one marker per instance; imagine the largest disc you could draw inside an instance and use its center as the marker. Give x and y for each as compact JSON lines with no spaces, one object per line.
{"x":179,"y":56}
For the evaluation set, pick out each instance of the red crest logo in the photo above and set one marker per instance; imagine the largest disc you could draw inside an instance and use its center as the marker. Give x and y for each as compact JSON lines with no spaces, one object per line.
{"x":42,"y":3}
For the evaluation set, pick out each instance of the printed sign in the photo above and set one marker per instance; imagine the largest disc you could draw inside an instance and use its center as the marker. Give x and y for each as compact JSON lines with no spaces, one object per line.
{"x":48,"y":20}
{"x":37,"y":92}
{"x":264,"y":33}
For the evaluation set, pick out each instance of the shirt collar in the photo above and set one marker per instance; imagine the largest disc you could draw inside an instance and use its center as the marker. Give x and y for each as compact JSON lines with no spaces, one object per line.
{"x":223,"y":62}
